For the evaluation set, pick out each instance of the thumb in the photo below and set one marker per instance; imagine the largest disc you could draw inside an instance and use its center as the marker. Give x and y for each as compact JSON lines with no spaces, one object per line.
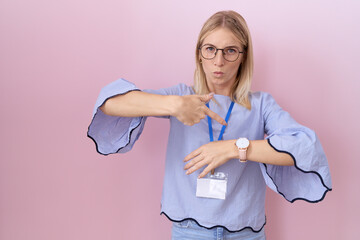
{"x":206,"y":97}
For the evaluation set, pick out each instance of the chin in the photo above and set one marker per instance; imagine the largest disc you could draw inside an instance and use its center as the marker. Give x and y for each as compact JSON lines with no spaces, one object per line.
{"x":219,"y":82}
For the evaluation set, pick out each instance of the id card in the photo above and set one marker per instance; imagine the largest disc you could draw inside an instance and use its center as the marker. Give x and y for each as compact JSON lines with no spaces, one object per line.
{"x":212,"y":186}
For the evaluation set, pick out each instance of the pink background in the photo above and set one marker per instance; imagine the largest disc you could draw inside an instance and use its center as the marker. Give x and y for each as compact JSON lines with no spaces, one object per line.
{"x":56,"y":55}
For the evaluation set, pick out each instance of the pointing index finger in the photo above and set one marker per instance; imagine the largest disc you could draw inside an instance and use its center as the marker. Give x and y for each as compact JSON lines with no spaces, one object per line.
{"x":215,"y":116}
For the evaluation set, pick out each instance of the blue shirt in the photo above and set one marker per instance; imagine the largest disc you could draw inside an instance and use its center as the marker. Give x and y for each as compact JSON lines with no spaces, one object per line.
{"x":309,"y":179}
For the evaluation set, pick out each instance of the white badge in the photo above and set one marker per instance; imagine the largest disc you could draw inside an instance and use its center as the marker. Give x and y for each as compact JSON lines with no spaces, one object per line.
{"x":212,"y":186}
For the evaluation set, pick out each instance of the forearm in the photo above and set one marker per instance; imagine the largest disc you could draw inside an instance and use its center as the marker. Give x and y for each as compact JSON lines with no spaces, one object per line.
{"x":261,"y":151}
{"x":137,"y":103}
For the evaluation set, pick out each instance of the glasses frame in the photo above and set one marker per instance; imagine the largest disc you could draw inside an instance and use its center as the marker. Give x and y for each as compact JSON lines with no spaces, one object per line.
{"x":222,"y":50}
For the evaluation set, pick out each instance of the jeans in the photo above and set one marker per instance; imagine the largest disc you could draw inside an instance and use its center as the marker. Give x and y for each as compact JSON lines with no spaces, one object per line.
{"x":189,"y":230}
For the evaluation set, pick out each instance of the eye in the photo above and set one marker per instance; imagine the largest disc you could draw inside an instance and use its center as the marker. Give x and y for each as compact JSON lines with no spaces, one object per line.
{"x":230,"y":51}
{"x":210,"y":49}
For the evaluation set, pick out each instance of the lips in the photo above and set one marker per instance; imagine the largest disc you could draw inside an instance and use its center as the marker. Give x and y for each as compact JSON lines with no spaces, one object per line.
{"x":218,"y":74}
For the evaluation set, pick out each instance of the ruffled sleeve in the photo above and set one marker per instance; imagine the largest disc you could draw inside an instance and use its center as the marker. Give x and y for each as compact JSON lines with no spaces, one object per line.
{"x":309,"y":179}
{"x":112,"y":134}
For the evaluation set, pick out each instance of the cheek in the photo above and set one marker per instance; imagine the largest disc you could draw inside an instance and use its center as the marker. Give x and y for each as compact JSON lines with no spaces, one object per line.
{"x":206,"y":67}
{"x":234,"y":68}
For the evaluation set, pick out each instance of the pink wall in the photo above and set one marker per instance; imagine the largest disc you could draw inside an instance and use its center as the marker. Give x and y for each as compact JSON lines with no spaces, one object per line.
{"x":56,"y":55}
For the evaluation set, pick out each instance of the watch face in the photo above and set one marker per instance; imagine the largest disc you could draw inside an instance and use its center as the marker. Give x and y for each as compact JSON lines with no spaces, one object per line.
{"x":242,"y":143}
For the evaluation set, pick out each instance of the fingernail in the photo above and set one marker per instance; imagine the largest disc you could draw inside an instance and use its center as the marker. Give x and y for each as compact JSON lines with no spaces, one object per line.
{"x":187,"y":173}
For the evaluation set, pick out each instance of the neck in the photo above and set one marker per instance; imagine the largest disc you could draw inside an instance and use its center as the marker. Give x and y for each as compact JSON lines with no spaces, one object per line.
{"x":221,"y":87}
{"x":226,"y":91}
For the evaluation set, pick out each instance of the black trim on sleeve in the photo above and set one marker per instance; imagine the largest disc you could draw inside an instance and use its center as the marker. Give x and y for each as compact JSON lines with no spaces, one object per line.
{"x":214,"y":226}
{"x":295,"y":165}
{"x":97,"y":148}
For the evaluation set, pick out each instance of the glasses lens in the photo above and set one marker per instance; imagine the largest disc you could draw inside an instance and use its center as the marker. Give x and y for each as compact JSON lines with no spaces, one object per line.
{"x":231,"y":54}
{"x":208,"y":51}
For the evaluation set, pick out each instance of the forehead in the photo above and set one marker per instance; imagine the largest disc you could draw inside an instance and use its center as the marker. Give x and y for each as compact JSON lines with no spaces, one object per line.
{"x":221,"y":37}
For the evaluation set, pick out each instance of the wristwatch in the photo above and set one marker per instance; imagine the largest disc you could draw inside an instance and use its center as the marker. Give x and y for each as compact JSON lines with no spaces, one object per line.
{"x":242,"y":144}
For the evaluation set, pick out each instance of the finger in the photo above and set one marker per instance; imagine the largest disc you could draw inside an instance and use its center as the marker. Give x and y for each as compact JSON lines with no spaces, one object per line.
{"x":202,"y":115}
{"x":193,"y":162}
{"x":215,"y":116}
{"x":205,"y":171}
{"x":206,"y":97}
{"x":212,"y":172}
{"x":196,"y":167}
{"x":192,"y":155}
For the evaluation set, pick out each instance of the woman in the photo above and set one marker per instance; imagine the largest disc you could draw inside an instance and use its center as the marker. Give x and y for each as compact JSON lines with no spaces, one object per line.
{"x":217,"y":188}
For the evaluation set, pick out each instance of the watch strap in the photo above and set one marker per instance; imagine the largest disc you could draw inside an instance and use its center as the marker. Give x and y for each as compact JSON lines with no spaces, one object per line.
{"x":242,"y":155}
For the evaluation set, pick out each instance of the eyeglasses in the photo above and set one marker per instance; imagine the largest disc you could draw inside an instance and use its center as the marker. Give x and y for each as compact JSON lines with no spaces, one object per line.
{"x":230,"y":54}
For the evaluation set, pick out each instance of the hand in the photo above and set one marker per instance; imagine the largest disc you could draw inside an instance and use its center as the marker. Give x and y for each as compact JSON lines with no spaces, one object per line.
{"x":213,"y":154}
{"x":190,"y":109}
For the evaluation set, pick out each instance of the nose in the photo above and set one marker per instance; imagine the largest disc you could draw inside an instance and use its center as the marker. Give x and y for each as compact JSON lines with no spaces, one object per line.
{"x":219,"y":58}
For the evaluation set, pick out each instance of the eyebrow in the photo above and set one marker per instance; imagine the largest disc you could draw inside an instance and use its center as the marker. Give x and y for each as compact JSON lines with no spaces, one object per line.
{"x":230,"y":46}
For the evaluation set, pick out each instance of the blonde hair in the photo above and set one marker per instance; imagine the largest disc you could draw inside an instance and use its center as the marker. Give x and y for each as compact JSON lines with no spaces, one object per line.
{"x":237,"y":25}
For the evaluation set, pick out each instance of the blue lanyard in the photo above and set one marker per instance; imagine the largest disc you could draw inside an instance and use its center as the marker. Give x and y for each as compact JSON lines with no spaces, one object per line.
{"x":223,"y":127}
